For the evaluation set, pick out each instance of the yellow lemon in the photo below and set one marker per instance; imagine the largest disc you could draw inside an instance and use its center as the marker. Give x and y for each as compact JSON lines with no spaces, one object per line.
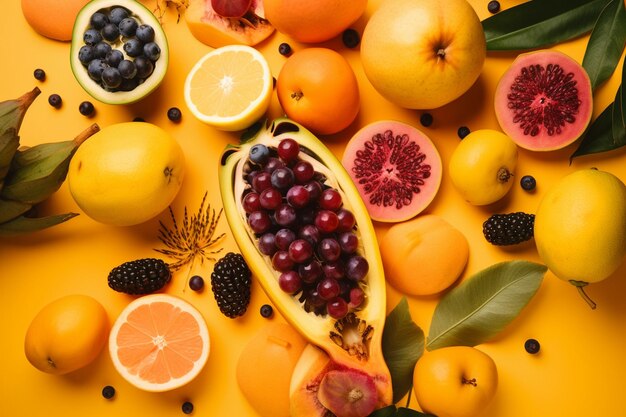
{"x":127,"y":173}
{"x":482,"y":166}
{"x":66,"y":334}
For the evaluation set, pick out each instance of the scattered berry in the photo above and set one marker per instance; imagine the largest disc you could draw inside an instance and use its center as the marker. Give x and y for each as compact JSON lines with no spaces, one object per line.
{"x":142,"y":276}
{"x":532,"y":346}
{"x":509,"y":229}
{"x":463,"y":131}
{"x":284,"y":49}
{"x":528,"y":182}
{"x":267,"y":311}
{"x":350,"y":38}
{"x":55,"y":100}
{"x":86,"y":108}
{"x":108,"y":392}
{"x":231,"y":282}
{"x":187,"y":407}
{"x":426,"y":119}
{"x":493,"y":6}
{"x":174,"y":114}
{"x":196,"y":283}
{"x":39,"y":74}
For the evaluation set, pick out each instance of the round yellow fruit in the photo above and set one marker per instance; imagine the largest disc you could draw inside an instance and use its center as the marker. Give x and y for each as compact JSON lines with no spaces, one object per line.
{"x":66,"y":334}
{"x":127,"y":173}
{"x":580,"y":226}
{"x":482,"y":166}
{"x":456,"y":381}
{"x":423,"y":54}
{"x":423,"y":256}
{"x":265,"y":366}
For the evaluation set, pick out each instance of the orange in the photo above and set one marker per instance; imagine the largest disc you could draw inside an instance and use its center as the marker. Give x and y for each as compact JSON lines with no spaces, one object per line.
{"x":313,"y":21}
{"x":317,"y":88}
{"x":229,"y":88}
{"x":159,"y":342}
{"x":51,"y":18}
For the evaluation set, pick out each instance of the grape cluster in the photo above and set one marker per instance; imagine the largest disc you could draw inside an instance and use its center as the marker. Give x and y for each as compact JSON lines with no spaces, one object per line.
{"x":302,"y":225}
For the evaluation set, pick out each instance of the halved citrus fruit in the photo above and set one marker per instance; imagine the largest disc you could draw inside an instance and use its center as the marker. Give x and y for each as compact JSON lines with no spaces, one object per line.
{"x":159,"y":342}
{"x":229,"y":88}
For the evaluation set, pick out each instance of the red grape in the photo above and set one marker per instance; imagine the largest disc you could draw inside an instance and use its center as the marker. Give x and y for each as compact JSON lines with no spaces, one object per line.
{"x":288,"y":149}
{"x":328,"y":288}
{"x":270,"y":198}
{"x":300,"y":251}
{"x":281,"y":261}
{"x":251,"y":202}
{"x":298,"y":196}
{"x":290,"y":282}
{"x":259,"y":221}
{"x":330,"y":199}
{"x":303,"y":171}
{"x":337,"y":308}
{"x":326,"y":221}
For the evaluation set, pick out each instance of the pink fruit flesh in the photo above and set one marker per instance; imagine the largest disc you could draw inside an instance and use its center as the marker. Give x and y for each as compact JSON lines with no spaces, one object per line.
{"x":231,"y":8}
{"x":348,"y":393}
{"x":544,"y":100}
{"x":396,"y":169}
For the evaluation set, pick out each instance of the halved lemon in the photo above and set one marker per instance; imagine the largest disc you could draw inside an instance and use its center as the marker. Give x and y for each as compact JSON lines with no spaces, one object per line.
{"x":229,"y":88}
{"x":159,"y":342}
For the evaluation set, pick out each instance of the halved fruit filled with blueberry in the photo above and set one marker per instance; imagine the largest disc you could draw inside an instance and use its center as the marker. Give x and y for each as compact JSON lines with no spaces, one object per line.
{"x":119,"y":51}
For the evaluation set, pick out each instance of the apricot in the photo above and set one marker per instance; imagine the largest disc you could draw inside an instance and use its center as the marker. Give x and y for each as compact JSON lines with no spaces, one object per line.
{"x":51,"y":18}
{"x":423,"y":256}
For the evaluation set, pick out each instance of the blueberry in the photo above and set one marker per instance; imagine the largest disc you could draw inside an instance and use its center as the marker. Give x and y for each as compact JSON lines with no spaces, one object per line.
{"x":259,"y":154}
{"x":145,"y":33}
{"x":528,"y":182}
{"x":463,"y":131}
{"x":114,"y":57}
{"x":196,"y":283}
{"x":55,"y":100}
{"x":95,"y":69}
{"x":532,"y":346}
{"x":99,"y":20}
{"x":144,"y":67}
{"x":133,"y":47}
{"x":128,"y":84}
{"x":174,"y":114}
{"x":39,"y":74}
{"x":284,"y":49}
{"x":187,"y":407}
{"x":111,"y":77}
{"x":152,"y":51}
{"x":117,"y":15}
{"x":101,"y":49}
{"x":493,"y":6}
{"x":110,"y":32}
{"x":86,"y":108}
{"x":127,"y":69}
{"x":92,"y":37}
{"x":108,"y":392}
{"x":86,"y":54}
{"x":128,"y":27}
{"x":350,"y":38}
{"x":266,"y":311}
{"x":426,"y":119}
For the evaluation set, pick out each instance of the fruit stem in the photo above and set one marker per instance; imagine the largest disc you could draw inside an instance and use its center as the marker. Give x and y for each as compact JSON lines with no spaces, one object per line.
{"x":86,"y":134}
{"x":504,"y":174}
{"x":581,"y":290}
{"x":408,"y":398}
{"x":469,"y":381}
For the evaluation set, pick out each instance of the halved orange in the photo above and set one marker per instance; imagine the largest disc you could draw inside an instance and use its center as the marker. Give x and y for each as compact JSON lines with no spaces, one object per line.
{"x":229,"y":88}
{"x":159,"y":342}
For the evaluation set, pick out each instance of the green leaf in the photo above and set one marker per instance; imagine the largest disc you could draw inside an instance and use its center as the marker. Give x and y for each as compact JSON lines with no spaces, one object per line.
{"x":618,"y":129}
{"x":24,"y":224}
{"x":623,"y":94}
{"x":389,"y":411}
{"x":392,"y":411}
{"x":606,"y":43}
{"x":403,"y":344}
{"x":482,"y":306}
{"x":540,"y":23}
{"x":599,"y":136}
{"x":409,"y":412}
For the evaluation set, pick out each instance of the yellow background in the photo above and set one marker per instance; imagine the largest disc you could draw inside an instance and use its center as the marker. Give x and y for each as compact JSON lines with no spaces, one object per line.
{"x":579,"y":372}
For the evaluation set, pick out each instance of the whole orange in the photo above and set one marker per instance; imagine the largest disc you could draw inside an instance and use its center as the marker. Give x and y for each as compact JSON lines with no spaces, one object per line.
{"x":313,"y":21}
{"x":317,"y":88}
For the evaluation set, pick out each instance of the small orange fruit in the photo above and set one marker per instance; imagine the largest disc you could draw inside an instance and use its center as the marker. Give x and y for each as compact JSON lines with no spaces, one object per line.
{"x":52,"y":18}
{"x":317,"y":88}
{"x":313,"y":21}
{"x":159,"y":342}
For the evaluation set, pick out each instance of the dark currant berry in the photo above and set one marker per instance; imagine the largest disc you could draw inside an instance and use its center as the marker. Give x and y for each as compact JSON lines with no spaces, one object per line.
{"x":350,"y":38}
{"x":92,"y":37}
{"x":99,"y":20}
{"x":426,"y":119}
{"x":114,"y":57}
{"x":532,"y":346}
{"x":108,"y":392}
{"x":493,"y":6}
{"x":144,"y":66}
{"x":284,"y":49}
{"x":128,"y":27}
{"x":145,"y":33}
{"x":174,"y":114}
{"x":101,"y":50}
{"x":187,"y":407}
{"x":528,"y":182}
{"x":152,"y":51}
{"x":133,"y":47}
{"x":463,"y":131}
{"x":267,"y":311}
{"x":111,"y":77}
{"x":196,"y":283}
{"x":86,"y":108}
{"x":110,"y":32}
{"x":118,"y":14}
{"x":127,"y":69}
{"x":55,"y":100}
{"x":85,"y":54}
{"x":39,"y":74}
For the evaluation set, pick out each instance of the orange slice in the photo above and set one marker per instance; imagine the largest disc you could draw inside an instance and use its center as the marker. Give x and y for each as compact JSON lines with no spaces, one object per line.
{"x":159,"y":342}
{"x":229,"y":88}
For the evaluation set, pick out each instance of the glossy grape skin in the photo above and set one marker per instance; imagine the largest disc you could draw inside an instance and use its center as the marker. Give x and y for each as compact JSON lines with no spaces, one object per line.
{"x":270,"y":198}
{"x":346,"y":220}
{"x":285,"y":215}
{"x":328,"y":288}
{"x":281,"y":261}
{"x":310,"y":272}
{"x":300,"y":251}
{"x":337,"y":308}
{"x":261,"y":181}
{"x":290,"y":282}
{"x":259,"y":221}
{"x":357,"y":296}
{"x":315,"y":190}
{"x":334,"y":270}
{"x":267,"y":244}
{"x":356,"y":268}
{"x":288,"y":149}
{"x":251,"y":202}
{"x":330,"y":199}
{"x":348,"y":242}
{"x":310,"y":233}
{"x":329,"y":249}
{"x":298,"y":196}
{"x":282,"y":178}
{"x":283,"y":238}
{"x":303,"y":171}
{"x":272,"y":164}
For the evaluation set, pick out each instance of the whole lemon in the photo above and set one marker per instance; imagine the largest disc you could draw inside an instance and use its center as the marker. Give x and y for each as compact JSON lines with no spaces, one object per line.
{"x":482,"y":166}
{"x":66,"y":334}
{"x":580,"y":227}
{"x":127,"y":173}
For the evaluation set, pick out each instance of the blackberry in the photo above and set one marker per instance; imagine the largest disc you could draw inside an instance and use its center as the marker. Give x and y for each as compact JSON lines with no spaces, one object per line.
{"x":231,"y":282}
{"x":509,"y":229}
{"x":142,"y":276}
